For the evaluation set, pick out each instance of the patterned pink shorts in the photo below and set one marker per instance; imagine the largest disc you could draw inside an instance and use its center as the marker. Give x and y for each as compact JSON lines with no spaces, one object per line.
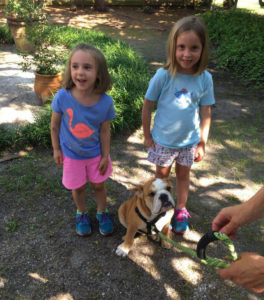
{"x":76,"y":172}
{"x":165,"y":157}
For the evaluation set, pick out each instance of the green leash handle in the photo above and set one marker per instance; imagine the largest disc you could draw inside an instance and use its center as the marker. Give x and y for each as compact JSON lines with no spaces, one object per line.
{"x":210,"y":237}
{"x":201,"y":246}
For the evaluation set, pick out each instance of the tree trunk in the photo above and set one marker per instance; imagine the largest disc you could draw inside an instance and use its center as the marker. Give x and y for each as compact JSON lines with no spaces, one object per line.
{"x":100,"y":5}
{"x":230,"y":4}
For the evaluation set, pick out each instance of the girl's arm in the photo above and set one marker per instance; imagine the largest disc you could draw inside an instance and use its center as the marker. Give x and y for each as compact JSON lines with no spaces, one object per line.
{"x":55,"y":140}
{"x":105,"y":146}
{"x":205,"y":123}
{"x":146,"y":120}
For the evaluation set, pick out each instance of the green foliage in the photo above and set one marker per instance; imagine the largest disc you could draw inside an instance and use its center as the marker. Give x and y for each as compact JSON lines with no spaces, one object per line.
{"x":5,"y":35}
{"x":239,"y":39}
{"x":37,"y":133}
{"x":46,"y":60}
{"x":27,"y":10}
{"x":7,"y":137}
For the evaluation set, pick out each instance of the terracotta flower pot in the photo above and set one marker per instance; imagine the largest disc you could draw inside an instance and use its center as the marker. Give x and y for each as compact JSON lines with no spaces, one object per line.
{"x":18,"y":31}
{"x":47,"y":85}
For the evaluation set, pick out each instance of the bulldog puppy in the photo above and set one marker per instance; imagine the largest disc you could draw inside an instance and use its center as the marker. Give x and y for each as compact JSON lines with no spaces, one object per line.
{"x":152,"y":199}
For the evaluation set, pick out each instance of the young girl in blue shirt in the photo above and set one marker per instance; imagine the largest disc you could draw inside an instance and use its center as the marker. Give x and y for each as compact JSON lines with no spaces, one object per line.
{"x":183,"y":90}
{"x":80,"y":133}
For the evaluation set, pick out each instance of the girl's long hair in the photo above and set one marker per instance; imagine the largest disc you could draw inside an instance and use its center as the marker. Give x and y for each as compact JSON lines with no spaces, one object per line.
{"x":103,"y":80}
{"x":190,"y":23}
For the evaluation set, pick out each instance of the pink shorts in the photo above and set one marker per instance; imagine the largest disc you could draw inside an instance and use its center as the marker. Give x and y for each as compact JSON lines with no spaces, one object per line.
{"x":76,"y":172}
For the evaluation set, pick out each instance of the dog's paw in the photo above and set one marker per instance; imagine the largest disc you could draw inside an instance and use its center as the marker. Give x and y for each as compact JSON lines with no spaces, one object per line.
{"x":120,"y":251}
{"x":165,"y":244}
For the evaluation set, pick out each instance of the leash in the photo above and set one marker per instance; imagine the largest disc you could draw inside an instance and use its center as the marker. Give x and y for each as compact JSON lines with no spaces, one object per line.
{"x":201,"y":247}
{"x":200,"y":252}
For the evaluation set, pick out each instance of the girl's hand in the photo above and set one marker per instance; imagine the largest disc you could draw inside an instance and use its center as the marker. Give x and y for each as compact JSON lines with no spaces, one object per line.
{"x":248,"y":271}
{"x":200,"y":152}
{"x":103,"y":165}
{"x":57,"y":155}
{"x":148,"y":142}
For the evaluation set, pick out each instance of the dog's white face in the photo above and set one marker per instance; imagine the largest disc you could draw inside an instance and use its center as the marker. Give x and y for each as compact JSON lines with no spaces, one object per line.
{"x":158,"y":196}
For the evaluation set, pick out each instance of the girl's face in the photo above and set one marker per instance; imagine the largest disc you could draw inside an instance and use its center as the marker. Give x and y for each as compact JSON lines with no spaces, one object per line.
{"x":83,"y":70}
{"x":188,"y":52}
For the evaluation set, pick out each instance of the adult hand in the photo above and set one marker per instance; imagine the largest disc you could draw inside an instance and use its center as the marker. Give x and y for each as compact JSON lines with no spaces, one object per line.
{"x":228,"y":220}
{"x":248,"y":271}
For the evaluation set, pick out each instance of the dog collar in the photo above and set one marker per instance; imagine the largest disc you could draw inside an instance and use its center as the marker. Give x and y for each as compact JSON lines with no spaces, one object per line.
{"x":151,"y":223}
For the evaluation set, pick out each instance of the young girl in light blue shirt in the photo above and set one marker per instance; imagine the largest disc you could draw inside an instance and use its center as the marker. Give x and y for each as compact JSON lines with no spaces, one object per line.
{"x":184,"y":93}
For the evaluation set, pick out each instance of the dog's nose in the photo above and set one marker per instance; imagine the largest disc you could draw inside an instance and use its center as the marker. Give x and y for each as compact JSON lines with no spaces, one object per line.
{"x":164,"y":200}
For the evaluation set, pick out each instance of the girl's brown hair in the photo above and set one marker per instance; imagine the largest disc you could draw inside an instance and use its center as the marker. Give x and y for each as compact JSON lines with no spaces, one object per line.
{"x":191,"y":23}
{"x":103,"y":81}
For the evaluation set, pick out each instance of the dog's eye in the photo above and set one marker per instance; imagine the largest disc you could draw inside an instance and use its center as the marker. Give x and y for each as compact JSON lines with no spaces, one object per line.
{"x":168,"y":188}
{"x":151,"y":194}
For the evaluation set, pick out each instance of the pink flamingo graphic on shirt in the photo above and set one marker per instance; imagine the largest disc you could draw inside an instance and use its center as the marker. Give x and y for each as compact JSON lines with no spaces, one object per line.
{"x":80,"y":130}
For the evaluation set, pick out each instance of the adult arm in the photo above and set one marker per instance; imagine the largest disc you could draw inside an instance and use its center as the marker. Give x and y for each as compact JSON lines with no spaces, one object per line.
{"x":146,"y":122}
{"x":55,"y":140}
{"x":105,"y":136}
{"x":205,"y":123}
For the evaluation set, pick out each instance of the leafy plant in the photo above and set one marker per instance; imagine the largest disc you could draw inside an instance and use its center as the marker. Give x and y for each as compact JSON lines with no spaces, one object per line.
{"x":26,"y":10}
{"x":5,"y":35}
{"x":46,"y":60}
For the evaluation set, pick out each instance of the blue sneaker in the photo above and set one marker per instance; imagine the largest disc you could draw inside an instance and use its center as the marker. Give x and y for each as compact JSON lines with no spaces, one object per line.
{"x":105,"y":223}
{"x":180,"y":222}
{"x":83,"y":224}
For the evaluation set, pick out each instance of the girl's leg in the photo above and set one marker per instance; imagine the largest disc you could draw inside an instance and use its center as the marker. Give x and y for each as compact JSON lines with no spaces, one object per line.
{"x":162,"y":172}
{"x":103,"y":217}
{"x":79,"y":198}
{"x":182,"y":185}
{"x":83,"y":222}
{"x":100,"y":195}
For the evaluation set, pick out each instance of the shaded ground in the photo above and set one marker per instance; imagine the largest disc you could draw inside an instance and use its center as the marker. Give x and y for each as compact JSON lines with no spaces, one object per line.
{"x":40,"y":256}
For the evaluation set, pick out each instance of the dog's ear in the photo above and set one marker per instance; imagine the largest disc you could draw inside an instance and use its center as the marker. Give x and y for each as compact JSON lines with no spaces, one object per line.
{"x":139,"y":190}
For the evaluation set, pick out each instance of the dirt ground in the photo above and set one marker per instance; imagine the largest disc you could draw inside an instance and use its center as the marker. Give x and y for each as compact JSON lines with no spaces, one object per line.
{"x":44,"y":259}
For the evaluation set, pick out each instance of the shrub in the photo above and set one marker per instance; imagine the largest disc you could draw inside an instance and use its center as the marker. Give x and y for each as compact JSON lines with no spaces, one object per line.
{"x":239,"y":39}
{"x":5,"y":35}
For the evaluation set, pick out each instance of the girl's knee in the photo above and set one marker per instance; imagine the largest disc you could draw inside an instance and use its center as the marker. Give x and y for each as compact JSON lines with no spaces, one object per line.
{"x":80,"y":189}
{"x":182,"y":172}
{"x":97,"y":187}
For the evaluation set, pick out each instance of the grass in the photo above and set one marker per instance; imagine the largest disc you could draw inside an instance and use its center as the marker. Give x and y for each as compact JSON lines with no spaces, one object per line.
{"x":242,"y":146}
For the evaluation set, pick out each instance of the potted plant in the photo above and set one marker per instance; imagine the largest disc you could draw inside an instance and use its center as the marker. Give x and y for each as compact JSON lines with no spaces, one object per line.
{"x":47,"y":62}
{"x":19,"y":14}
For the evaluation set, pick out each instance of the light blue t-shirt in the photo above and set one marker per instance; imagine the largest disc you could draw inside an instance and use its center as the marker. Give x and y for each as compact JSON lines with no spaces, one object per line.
{"x":177,"y":120}
{"x":80,"y":124}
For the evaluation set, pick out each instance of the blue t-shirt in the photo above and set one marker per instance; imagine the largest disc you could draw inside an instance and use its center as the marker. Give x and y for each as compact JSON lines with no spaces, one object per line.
{"x":177,"y":120}
{"x":80,"y":124}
